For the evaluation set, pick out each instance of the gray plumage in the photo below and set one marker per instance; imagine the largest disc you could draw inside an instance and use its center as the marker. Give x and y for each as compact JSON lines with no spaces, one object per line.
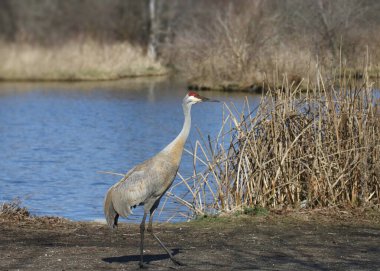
{"x":142,"y":185}
{"x":147,"y":182}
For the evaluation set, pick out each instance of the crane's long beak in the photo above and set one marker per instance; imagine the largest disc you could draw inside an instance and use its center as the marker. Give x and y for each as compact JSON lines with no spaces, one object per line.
{"x":205,"y":99}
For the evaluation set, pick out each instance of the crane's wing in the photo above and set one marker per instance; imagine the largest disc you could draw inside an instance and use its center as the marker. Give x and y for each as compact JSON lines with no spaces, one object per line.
{"x":143,"y":184}
{"x":133,"y":189}
{"x":115,"y":204}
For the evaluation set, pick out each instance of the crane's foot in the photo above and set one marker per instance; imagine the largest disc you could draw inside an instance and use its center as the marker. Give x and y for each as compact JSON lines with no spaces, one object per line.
{"x":142,"y":265}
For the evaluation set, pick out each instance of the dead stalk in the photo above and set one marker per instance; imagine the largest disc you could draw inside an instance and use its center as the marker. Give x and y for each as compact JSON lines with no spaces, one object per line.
{"x":318,"y":148}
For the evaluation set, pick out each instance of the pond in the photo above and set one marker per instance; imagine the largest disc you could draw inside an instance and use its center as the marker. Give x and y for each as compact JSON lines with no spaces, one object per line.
{"x":55,"y":138}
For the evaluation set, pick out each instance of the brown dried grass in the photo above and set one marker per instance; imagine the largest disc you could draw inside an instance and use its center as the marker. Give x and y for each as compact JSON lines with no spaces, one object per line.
{"x":300,"y":150}
{"x":82,"y":59}
{"x":14,"y":212}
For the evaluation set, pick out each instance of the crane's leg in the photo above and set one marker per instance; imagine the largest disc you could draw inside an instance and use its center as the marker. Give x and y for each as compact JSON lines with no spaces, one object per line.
{"x":150,"y":230}
{"x":142,"y":230}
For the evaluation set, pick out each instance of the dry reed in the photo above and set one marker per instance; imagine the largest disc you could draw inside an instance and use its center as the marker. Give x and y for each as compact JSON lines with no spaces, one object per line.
{"x":313,"y":149}
{"x":82,"y":59}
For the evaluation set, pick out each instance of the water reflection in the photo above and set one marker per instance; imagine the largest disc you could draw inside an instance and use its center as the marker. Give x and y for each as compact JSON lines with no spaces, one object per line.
{"x":55,"y":137}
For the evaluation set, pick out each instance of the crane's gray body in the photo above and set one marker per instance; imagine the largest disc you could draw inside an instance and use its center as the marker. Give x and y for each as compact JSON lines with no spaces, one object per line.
{"x":147,"y":182}
{"x":143,"y":185}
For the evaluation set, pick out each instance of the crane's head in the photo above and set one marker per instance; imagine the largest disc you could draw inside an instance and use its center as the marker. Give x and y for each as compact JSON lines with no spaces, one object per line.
{"x":193,"y":97}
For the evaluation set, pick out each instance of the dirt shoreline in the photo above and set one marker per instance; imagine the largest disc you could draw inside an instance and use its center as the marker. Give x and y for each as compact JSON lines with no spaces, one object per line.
{"x":292,"y":241}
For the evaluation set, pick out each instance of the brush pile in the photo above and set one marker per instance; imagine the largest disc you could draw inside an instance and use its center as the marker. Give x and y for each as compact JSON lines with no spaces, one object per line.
{"x":13,"y":210}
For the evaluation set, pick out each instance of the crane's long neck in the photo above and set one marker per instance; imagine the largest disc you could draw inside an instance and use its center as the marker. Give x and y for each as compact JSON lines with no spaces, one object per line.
{"x":183,"y":135}
{"x":175,"y":148}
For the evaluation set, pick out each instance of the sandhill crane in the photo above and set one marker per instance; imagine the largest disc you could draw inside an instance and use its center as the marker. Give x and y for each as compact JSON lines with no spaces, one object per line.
{"x":146,"y":183}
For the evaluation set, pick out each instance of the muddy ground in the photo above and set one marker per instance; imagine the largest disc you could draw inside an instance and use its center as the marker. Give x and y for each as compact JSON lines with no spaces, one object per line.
{"x":292,"y":241}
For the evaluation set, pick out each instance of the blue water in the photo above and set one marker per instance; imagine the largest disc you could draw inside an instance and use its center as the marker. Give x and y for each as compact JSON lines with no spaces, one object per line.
{"x":56,"y":137}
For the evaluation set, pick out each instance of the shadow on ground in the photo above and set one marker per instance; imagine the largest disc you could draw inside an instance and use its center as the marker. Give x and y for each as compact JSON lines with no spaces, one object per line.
{"x":148,"y":258}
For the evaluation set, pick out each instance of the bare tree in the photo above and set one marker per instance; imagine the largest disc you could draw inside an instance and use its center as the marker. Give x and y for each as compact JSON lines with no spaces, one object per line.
{"x":152,"y":45}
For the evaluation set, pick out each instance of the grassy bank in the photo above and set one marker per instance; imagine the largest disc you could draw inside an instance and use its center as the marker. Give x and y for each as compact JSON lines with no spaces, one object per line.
{"x":313,"y":149}
{"x":75,"y":60}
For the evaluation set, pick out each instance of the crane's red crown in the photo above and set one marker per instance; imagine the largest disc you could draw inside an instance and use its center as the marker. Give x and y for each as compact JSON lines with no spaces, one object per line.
{"x":194,"y":94}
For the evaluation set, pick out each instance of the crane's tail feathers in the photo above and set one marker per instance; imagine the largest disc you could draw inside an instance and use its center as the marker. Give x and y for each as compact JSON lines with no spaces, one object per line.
{"x":109,"y":211}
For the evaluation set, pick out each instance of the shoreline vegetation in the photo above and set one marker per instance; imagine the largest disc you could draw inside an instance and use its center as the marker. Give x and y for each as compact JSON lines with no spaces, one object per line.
{"x":91,"y":60}
{"x":242,"y":46}
{"x":14,"y":211}
{"x":85,"y":60}
{"x":299,"y":149}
